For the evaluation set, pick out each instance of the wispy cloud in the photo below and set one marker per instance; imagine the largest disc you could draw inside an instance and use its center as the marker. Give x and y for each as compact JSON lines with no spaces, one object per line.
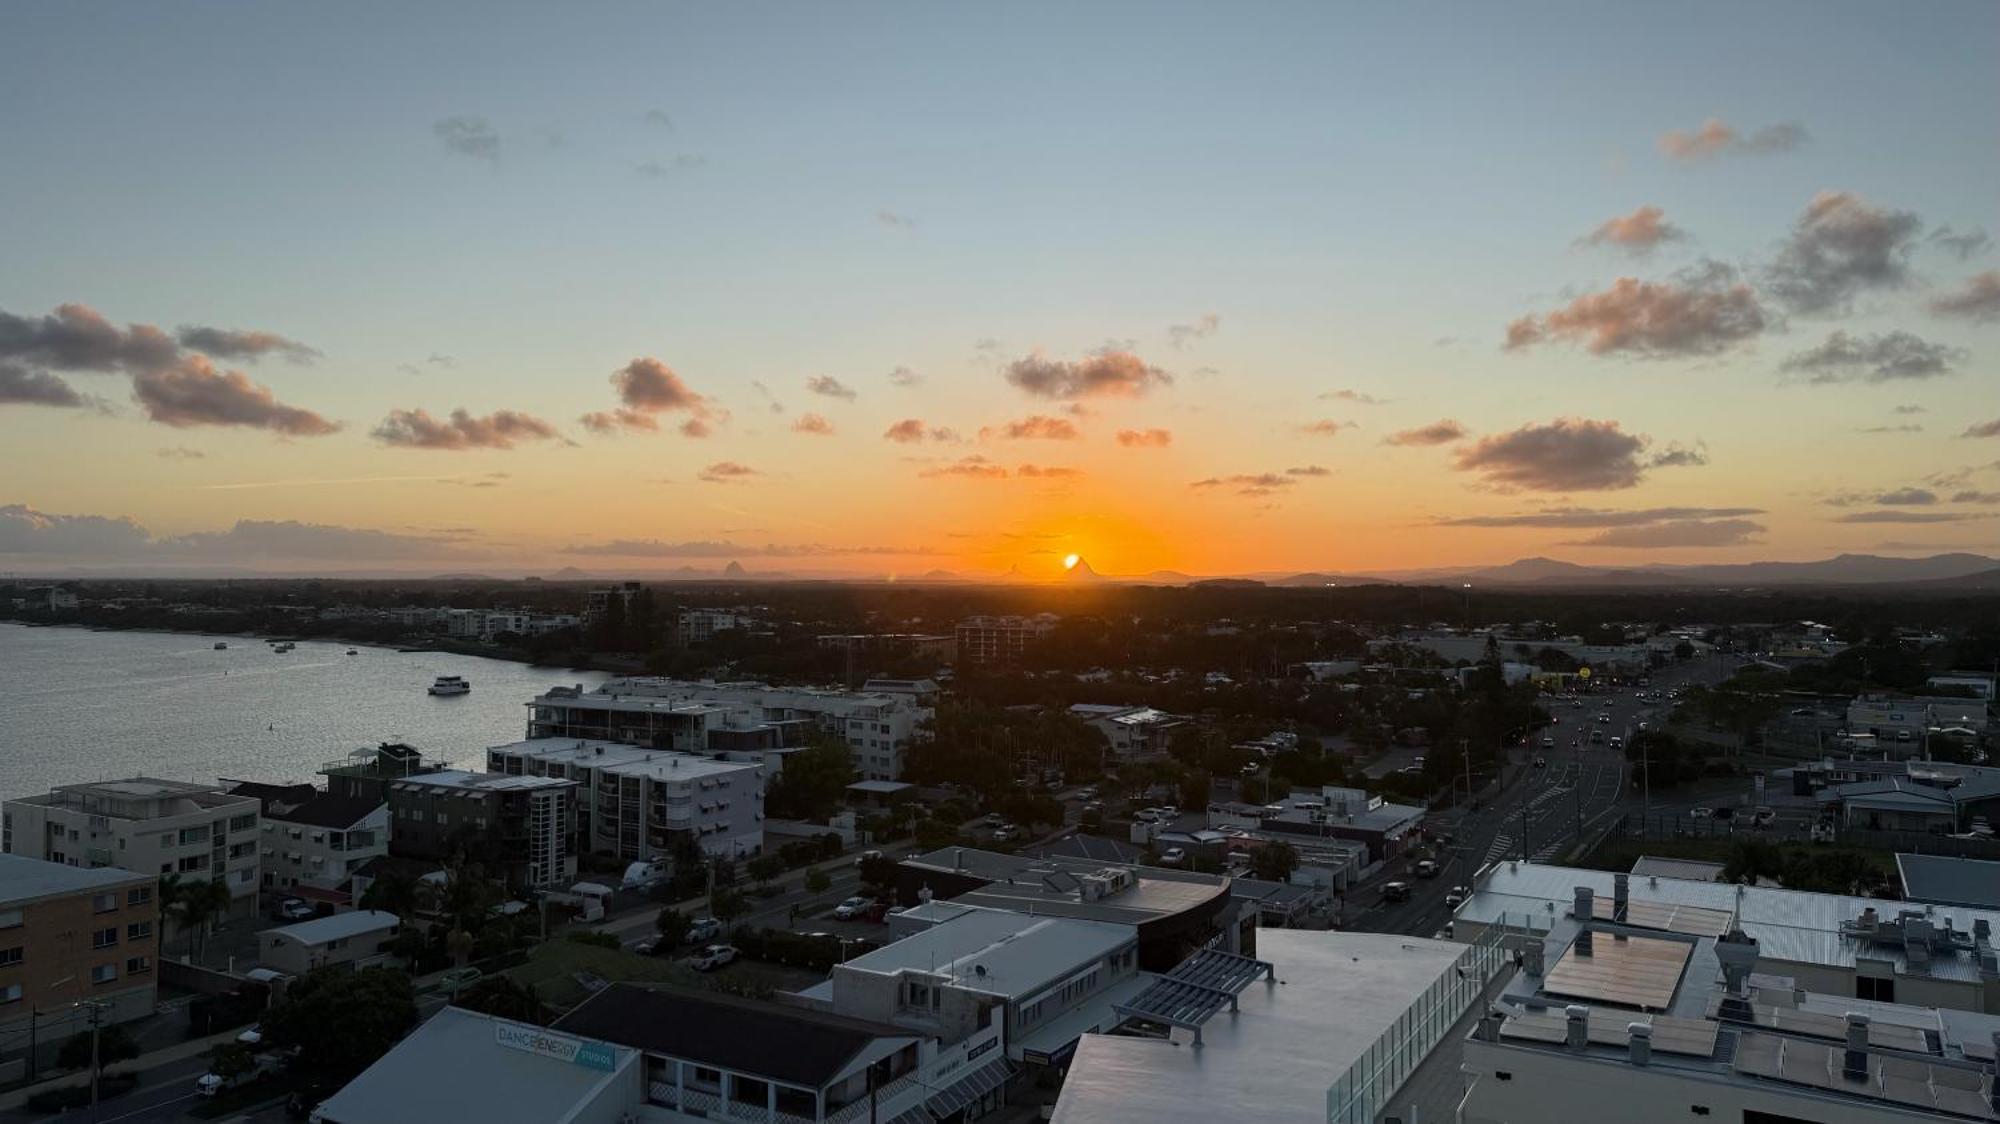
{"x":1145,"y":438}
{"x":1639,"y":233}
{"x":1442,"y":432}
{"x":461,"y":430}
{"x":727,"y":472}
{"x":1715,"y":138}
{"x":1978,"y":301}
{"x":826,"y":386}
{"x":1703,"y":312}
{"x":468,"y":135}
{"x":1203,"y":326}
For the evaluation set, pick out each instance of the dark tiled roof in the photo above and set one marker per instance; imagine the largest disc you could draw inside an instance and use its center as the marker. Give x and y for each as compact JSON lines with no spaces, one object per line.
{"x":788,"y":1044}
{"x":269,"y":794}
{"x":329,"y":811}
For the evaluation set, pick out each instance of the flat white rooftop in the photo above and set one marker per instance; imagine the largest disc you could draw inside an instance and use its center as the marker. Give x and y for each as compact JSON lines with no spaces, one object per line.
{"x":460,"y":778}
{"x":623,"y":759}
{"x":998,"y":951}
{"x":1337,"y":994}
{"x":339,"y":926}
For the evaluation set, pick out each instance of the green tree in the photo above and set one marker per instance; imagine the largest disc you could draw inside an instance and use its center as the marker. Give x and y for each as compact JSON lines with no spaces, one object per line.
{"x":1751,"y":859}
{"x":727,"y":905}
{"x":394,"y":891}
{"x":113,"y":1045}
{"x":673,"y":926}
{"x":818,"y":881}
{"x":763,"y":868}
{"x":197,"y":903}
{"x":1195,"y":785}
{"x":813,"y":781}
{"x":229,"y":1059}
{"x":1275,"y":861}
{"x":342,"y":1021}
{"x":502,"y":996}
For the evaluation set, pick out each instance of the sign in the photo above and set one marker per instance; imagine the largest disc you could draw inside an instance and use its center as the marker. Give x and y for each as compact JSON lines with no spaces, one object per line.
{"x":1583,"y":673}
{"x":556,"y":1047}
{"x":975,"y":1051}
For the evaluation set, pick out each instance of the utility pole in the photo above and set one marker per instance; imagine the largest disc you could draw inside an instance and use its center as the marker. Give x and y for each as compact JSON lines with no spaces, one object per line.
{"x":1578,"y":782}
{"x":95,"y":1073}
{"x":1524,"y":831}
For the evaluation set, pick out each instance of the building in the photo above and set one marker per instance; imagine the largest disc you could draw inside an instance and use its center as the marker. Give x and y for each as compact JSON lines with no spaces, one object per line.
{"x":1324,"y":1029}
{"x":1827,"y":944}
{"x":1920,"y":798}
{"x":919,"y":646}
{"x":697,"y":626}
{"x":1000,"y":641}
{"x":1171,"y":912}
{"x":145,"y":825}
{"x":598,"y":601}
{"x":877,"y":726}
{"x":358,"y":939}
{"x":1335,"y":813}
{"x":635,"y":803}
{"x":524,"y":1072}
{"x":525,"y":825}
{"x":1643,"y":1009}
{"x":312,"y":849}
{"x":1949,"y":880}
{"x":1134,"y":732}
{"x":367,"y":773}
{"x":71,"y":935}
{"x":1905,"y":721}
{"x":1981,"y":684}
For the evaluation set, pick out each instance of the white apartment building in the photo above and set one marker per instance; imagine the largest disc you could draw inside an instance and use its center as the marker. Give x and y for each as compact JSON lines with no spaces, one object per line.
{"x":708,"y":717}
{"x":317,"y":845}
{"x":145,"y":825}
{"x":1133,"y":731}
{"x":697,"y":625}
{"x":632,"y":802}
{"x":1000,"y":641}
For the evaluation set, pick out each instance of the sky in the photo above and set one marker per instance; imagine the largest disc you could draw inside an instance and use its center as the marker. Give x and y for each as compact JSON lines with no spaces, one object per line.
{"x":885,"y":289}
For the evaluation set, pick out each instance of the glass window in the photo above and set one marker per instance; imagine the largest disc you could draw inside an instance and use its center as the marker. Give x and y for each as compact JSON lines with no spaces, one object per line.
{"x":10,"y":957}
{"x":10,"y":993}
{"x":104,"y":903}
{"x":139,"y":895}
{"x":104,"y":973}
{"x":104,"y":938}
{"x":138,"y":965}
{"x":10,"y":918}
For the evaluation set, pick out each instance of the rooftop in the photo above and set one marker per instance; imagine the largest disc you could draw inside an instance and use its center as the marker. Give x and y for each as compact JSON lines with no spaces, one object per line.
{"x":787,"y":1044}
{"x":338,"y":926}
{"x":622,"y":759}
{"x":24,"y":879}
{"x":1074,"y":887}
{"x":1336,"y":995}
{"x":1947,"y":880}
{"x":327,"y":810}
{"x":997,"y":951}
{"x":525,"y":1073}
{"x":491,"y":782}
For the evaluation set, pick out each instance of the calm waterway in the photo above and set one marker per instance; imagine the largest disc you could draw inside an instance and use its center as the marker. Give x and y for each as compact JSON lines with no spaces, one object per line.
{"x":77,"y":705}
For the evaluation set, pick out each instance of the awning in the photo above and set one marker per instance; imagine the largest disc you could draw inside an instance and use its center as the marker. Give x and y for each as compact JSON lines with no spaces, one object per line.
{"x":970,"y":1088}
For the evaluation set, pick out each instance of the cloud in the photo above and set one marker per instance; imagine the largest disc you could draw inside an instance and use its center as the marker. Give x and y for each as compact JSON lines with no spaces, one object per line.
{"x":229,"y":343}
{"x":1326,"y":427}
{"x":770,"y":399}
{"x":1909,"y":409}
{"x":1353,"y":396}
{"x":1678,"y":533}
{"x":681,"y":162}
{"x":180,"y":453}
{"x":100,"y":539}
{"x":1309,"y":470}
{"x":1566,"y":455}
{"x":648,"y":388}
{"x":1638,"y":233}
{"x":1050,"y":471}
{"x":1889,"y":429}
{"x":1905,"y":517}
{"x":1978,"y":301}
{"x":1962,"y":246}
{"x":1249,"y":483}
{"x":193,"y":393}
{"x":1842,"y":246}
{"x":726,"y":472}
{"x":1701,"y":312}
{"x":912,"y":430}
{"x":903,"y":376}
{"x":826,"y":386}
{"x":20,"y":386}
{"x":1442,"y":432}
{"x":1884,"y":358}
{"x":1181,"y":335}
{"x":659,"y":118}
{"x":468,"y":136}
{"x":1107,"y":374}
{"x":1972,"y":496}
{"x":1676,"y":455}
{"x":435,"y":359}
{"x":417,"y":429}
{"x":1145,"y":438}
{"x":1036,"y":427}
{"x":24,"y":530}
{"x":1600,"y":517}
{"x":986,"y":345}
{"x":892,"y":219}
{"x":76,"y":337}
{"x":1715,"y":139}
{"x":973,"y":466}
{"x":1983,"y":429}
{"x":813,"y":424}
{"x":656,"y":548}
{"x":1907,"y":497}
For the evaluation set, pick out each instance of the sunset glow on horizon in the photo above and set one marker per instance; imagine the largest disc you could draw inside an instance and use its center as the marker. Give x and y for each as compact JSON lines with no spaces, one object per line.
{"x":878,"y":289}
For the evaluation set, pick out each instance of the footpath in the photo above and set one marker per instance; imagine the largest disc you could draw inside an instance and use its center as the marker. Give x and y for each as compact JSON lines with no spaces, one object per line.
{"x":167,"y":1055}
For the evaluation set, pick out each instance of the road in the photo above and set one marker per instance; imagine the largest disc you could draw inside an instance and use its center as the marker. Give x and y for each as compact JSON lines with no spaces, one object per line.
{"x":1539,"y":812}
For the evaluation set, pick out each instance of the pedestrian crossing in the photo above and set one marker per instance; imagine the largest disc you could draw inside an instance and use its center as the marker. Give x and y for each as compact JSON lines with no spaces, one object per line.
{"x":1501,"y":848}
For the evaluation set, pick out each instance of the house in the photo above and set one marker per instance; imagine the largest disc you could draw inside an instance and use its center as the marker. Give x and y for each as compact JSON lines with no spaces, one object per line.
{"x":358,"y":939}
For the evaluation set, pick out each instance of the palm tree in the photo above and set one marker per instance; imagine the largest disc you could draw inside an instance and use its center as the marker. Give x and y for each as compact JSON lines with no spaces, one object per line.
{"x":198,"y":904}
{"x":394,"y":892}
{"x":169,"y":901}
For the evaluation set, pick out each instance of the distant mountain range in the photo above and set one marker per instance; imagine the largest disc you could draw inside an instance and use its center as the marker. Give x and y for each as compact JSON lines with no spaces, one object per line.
{"x":1971,"y":570}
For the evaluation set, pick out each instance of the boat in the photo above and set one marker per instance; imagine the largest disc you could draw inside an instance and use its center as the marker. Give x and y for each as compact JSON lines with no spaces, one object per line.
{"x":450,"y":685}
{"x":221,"y":646}
{"x":285,"y":647}
{"x":353,"y":652}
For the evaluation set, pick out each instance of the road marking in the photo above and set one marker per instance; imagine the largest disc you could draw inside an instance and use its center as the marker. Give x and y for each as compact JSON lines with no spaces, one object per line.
{"x":150,"y":1108}
{"x":1502,"y":844}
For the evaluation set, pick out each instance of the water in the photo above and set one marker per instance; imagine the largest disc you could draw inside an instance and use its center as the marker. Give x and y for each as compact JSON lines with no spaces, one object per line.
{"x":78,"y":706}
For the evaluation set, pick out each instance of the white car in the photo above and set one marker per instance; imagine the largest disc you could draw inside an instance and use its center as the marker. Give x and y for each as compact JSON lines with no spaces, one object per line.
{"x":1173,"y":856}
{"x":1456,"y":896}
{"x":852,"y":908}
{"x":1701,"y":812}
{"x":704,"y":929}
{"x":253,"y":1037}
{"x":713,"y":957}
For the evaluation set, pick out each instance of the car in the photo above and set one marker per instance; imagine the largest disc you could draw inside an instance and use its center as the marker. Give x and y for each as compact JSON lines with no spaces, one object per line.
{"x":1700,"y":812}
{"x":712,"y":957}
{"x":293,"y":909}
{"x":253,"y":1037}
{"x":704,"y":929}
{"x":1764,"y":817}
{"x":1094,"y":806}
{"x":852,"y":908}
{"x":1548,"y":742}
{"x":1087,"y":792}
{"x":1249,"y":770}
{"x":1616,"y":741}
{"x":1170,"y":811}
{"x":1604,"y":720}
{"x":1541,"y":762}
{"x":1173,"y":856}
{"x":1455,"y":897}
{"x":1576,"y":704}
{"x":1419,"y":762}
{"x":647,"y":947}
{"x":1395,"y":891}
{"x":1802,"y":712}
{"x":1426,"y":868}
{"x":1147,"y":815}
{"x":866,"y":857}
{"x":1005,"y":832}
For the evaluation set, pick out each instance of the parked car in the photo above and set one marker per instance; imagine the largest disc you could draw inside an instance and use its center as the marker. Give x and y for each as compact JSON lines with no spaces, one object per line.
{"x":1173,"y":856}
{"x":1764,"y":817}
{"x":1700,"y":812}
{"x":214,"y":1084}
{"x":852,"y":908}
{"x":253,"y":1037}
{"x":1541,"y":762}
{"x":866,"y":856}
{"x":713,"y":957}
{"x":1455,"y":897}
{"x":704,"y":929}
{"x":1005,"y":832}
{"x":1548,"y":742}
{"x":1395,"y":891}
{"x":295,"y":909}
{"x":1087,"y":792}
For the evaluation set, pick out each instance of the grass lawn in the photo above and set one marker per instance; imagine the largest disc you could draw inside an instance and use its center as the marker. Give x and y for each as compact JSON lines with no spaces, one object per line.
{"x":552,"y":967}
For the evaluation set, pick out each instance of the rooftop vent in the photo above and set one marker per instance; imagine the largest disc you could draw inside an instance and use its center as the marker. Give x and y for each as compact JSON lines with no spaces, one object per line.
{"x":1642,"y":1042}
{"x":1577,"y":1021}
{"x":1854,"y":1061}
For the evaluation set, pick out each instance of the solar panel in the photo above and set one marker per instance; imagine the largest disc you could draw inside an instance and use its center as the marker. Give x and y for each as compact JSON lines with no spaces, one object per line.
{"x":1819,"y":1024}
{"x":1690,"y":1037}
{"x":1936,"y":1088}
{"x":1640,"y":972}
{"x":1668,"y":917}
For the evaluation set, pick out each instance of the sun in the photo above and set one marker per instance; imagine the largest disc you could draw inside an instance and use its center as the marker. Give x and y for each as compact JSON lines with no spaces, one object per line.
{"x":1070,"y":561}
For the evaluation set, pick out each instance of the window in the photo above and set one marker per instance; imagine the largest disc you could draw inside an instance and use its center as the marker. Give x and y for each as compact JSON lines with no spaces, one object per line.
{"x":104,"y":973}
{"x":104,"y":938}
{"x":10,"y":957}
{"x":138,"y":930}
{"x":10,"y":994}
{"x":104,"y":903}
{"x":194,"y":835}
{"x":1866,"y":987}
{"x":242,"y":823}
{"x":138,"y":965}
{"x":10,"y":918}
{"x":139,"y":895}
{"x":194,"y":862}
